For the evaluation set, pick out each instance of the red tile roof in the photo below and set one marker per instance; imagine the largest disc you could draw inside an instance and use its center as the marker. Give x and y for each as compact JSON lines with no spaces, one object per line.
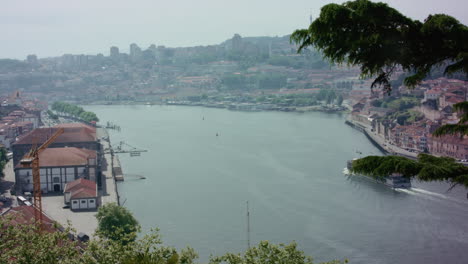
{"x":71,"y":134}
{"x":25,"y":215}
{"x":81,"y":188}
{"x":59,"y":157}
{"x":83,"y":193}
{"x":77,"y":125}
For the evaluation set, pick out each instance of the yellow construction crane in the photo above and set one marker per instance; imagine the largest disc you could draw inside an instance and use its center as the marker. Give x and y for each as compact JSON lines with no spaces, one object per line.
{"x":32,"y":160}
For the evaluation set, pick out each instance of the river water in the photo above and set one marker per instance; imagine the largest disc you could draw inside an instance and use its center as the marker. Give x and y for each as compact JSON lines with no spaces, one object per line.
{"x":203,"y":164}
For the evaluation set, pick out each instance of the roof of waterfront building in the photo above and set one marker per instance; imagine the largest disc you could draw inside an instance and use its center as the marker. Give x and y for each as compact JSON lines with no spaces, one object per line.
{"x":60,"y":157}
{"x":77,"y":125}
{"x":70,"y":134}
{"x":25,"y":215}
{"x":81,"y":188}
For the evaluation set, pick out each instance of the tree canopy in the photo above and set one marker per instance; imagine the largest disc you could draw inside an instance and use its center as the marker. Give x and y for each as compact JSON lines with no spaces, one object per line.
{"x":266,"y":253}
{"x":75,"y":111}
{"x":380,"y":40}
{"x":25,"y":243}
{"x":460,"y":128}
{"x":117,"y":223}
{"x":425,"y":168}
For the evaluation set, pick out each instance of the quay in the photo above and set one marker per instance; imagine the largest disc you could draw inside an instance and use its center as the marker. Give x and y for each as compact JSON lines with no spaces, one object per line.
{"x":110,"y":192}
{"x":380,"y":142}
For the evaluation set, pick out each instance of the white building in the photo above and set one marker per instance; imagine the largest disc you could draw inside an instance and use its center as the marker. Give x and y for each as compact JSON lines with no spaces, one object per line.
{"x":81,"y":194}
{"x":58,"y":166}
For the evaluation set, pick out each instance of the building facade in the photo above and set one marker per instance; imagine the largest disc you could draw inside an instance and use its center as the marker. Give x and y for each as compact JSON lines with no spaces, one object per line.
{"x":450,"y":146}
{"x":79,"y":136}
{"x":58,"y":166}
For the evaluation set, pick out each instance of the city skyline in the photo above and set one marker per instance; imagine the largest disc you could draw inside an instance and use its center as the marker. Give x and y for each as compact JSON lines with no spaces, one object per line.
{"x":53,"y":28}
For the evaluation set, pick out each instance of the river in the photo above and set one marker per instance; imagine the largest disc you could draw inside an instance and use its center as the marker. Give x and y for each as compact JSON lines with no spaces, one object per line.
{"x":203,"y":164}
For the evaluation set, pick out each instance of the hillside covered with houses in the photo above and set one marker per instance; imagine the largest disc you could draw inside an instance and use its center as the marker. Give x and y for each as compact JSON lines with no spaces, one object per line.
{"x":408,"y":117}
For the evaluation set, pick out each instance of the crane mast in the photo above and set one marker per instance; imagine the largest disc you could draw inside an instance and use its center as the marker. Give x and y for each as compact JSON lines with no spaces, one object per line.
{"x":32,"y":159}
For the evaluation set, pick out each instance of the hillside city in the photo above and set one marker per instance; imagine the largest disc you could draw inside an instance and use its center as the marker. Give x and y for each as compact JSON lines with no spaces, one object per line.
{"x":243,"y":74}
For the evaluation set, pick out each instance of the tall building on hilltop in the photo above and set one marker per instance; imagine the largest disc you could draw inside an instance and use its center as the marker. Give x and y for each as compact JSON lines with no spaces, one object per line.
{"x":31,"y":59}
{"x":135,"y":51}
{"x":114,"y":52}
{"x":237,"y":42}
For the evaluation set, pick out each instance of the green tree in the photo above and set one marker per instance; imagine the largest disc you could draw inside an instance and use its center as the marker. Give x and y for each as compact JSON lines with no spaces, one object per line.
{"x":459,"y":129}
{"x":266,"y":253}
{"x":117,"y":223}
{"x":26,"y":243}
{"x":147,"y":250}
{"x":379,"y":39}
{"x":75,"y":111}
{"x":425,"y":168}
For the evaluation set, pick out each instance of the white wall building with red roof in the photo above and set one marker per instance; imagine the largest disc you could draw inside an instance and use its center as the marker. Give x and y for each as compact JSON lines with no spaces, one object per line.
{"x":81,"y":194}
{"x":58,"y":166}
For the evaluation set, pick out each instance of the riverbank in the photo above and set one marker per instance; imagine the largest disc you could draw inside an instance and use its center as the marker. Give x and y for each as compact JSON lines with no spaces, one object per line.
{"x":244,"y":107}
{"x":380,"y":142}
{"x":254,"y":107}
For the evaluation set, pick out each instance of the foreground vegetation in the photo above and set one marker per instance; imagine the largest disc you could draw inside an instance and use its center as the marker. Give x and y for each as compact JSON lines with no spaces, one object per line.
{"x":116,"y":242}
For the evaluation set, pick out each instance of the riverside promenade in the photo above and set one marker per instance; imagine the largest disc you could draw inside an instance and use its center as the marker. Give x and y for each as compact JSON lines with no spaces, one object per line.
{"x":109,"y":193}
{"x":379,"y":141}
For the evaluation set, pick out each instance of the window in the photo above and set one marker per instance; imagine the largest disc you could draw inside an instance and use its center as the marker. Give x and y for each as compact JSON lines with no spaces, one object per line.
{"x":91,"y":201}
{"x":75,"y":202}
{"x":83,"y":201}
{"x":56,"y":179}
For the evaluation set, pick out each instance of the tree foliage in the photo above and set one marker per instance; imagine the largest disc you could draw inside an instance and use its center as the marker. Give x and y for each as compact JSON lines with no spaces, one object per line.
{"x":117,"y":223}
{"x":266,"y":253}
{"x":425,"y":168}
{"x":459,"y":129}
{"x":380,"y":39}
{"x":75,"y":111}
{"x":26,"y":244}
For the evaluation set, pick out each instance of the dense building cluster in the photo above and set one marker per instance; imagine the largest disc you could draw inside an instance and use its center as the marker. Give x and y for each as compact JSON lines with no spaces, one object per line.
{"x":410,"y":126}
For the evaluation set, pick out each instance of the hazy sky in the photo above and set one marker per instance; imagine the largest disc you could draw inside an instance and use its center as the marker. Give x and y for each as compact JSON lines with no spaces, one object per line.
{"x":55,"y":27}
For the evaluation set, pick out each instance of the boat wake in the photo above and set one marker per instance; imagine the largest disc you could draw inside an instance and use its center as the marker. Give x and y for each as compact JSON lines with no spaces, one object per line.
{"x":431,"y":195}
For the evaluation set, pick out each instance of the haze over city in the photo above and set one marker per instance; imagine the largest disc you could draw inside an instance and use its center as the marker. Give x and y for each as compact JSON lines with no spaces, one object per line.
{"x":203,"y":131}
{"x":53,"y":27}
